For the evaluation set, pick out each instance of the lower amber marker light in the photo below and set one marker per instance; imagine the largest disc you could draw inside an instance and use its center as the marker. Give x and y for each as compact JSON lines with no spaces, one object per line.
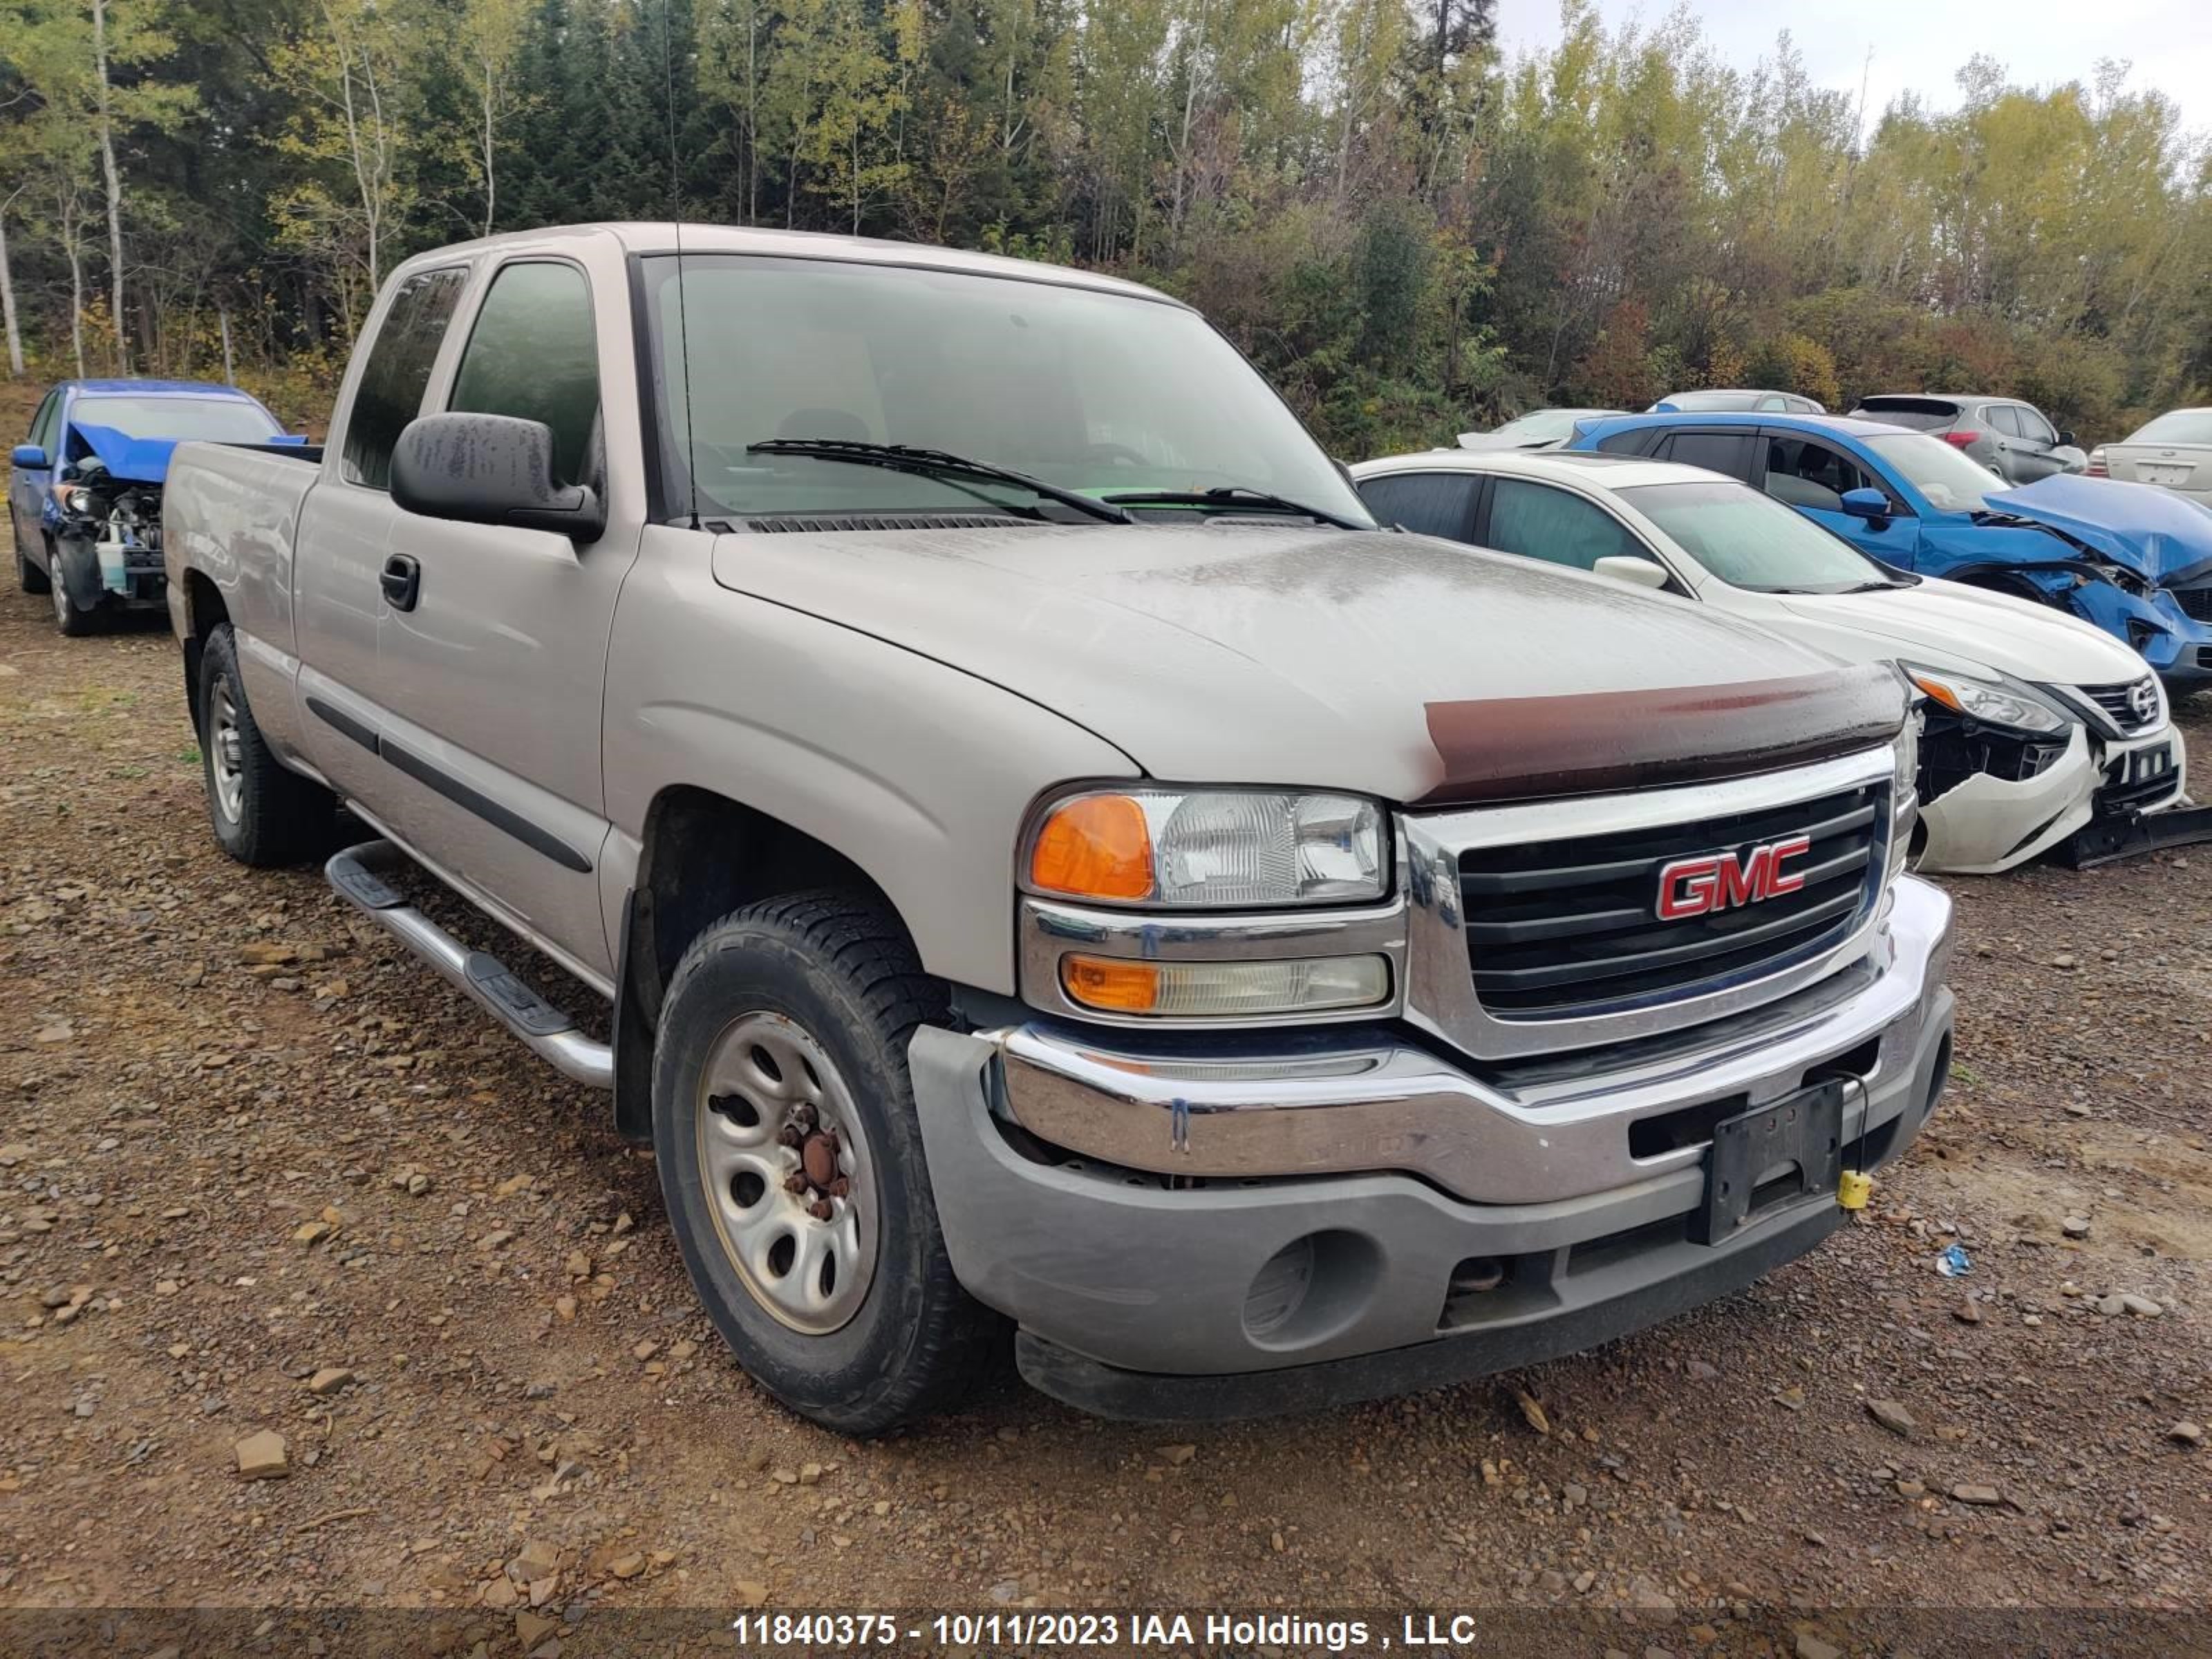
{"x":1197,"y":990}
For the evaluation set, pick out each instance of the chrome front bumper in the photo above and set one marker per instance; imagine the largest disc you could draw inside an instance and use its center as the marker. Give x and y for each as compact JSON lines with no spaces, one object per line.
{"x":1355,"y":1216}
{"x":1337,"y":1102}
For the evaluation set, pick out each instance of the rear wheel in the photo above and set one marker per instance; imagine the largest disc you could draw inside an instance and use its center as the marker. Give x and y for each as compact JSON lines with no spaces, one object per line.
{"x":791,"y":1162}
{"x":262,"y":812}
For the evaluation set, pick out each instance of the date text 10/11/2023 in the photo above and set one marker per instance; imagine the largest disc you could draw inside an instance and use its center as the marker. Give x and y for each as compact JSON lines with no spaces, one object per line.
{"x":1166,"y":1631}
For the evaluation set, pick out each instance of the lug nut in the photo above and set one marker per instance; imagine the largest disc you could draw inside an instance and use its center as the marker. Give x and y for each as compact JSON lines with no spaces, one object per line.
{"x":790,"y":1135}
{"x":839,"y":1188}
{"x":797,"y":1184}
{"x":820,"y":1209}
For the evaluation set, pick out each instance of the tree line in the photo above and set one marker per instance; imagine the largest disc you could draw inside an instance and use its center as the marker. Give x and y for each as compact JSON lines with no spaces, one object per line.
{"x":1407,"y":231}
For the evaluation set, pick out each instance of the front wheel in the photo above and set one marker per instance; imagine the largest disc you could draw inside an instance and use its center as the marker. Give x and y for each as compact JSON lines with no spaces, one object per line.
{"x":74,"y":620}
{"x":791,"y":1163}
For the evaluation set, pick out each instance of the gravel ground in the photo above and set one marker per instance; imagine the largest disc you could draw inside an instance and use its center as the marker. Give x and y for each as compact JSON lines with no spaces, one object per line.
{"x":260,"y":1174}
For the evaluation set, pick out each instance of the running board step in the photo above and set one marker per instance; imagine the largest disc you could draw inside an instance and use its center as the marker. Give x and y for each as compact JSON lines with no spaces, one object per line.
{"x":545,"y":1029}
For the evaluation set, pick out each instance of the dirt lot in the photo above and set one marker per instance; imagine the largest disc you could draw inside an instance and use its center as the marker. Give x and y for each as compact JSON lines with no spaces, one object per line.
{"x":243,"y":1141}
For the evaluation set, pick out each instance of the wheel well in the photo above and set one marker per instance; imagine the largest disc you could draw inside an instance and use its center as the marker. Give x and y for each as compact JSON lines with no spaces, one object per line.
{"x":203,"y":605}
{"x":705,"y":855}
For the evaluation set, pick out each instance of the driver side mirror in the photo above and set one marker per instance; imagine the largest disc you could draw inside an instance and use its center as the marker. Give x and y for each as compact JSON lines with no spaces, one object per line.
{"x":1635,"y":572}
{"x":491,"y":469}
{"x":1869,"y":504}
{"x":2066,"y":440}
{"x":28,"y":455}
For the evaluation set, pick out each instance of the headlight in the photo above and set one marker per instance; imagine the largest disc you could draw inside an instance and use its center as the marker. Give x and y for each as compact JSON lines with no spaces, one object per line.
{"x":1204,"y":990}
{"x":1217,"y":848}
{"x":73,"y":498}
{"x":2010,"y":706}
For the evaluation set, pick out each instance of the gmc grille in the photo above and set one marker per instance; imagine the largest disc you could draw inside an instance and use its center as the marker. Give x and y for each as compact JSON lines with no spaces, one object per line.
{"x":1570,"y":927}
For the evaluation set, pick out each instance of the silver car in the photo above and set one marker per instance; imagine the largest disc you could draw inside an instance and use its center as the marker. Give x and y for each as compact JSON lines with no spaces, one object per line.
{"x":2013,"y":440}
{"x":2174,"y":451}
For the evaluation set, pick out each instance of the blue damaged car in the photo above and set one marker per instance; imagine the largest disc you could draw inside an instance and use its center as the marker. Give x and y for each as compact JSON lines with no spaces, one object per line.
{"x":2134,"y":561}
{"x":84,"y":500}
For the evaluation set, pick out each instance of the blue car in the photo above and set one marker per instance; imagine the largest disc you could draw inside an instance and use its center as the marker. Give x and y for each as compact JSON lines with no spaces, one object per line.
{"x":84,"y":501}
{"x":2137,"y":561}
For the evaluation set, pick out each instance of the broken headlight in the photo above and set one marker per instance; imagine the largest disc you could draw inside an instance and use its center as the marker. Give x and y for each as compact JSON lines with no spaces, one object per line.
{"x":1993,"y":702}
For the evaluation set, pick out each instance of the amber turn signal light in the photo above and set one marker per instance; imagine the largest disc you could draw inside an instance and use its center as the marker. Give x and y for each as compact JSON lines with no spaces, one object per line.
{"x":1094,"y":847}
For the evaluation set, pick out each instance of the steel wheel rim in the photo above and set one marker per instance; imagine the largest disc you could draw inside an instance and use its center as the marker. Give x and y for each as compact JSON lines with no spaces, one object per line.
{"x":769,"y":1096}
{"x":59,"y":589}
{"x":224,"y":751}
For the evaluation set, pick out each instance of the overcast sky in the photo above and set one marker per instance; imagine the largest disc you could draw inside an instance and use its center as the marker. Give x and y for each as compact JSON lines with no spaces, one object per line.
{"x":1919,"y":45}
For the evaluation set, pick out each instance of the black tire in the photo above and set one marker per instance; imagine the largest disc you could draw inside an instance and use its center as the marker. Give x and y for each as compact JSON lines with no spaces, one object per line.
{"x":842,"y":970}
{"x":28,"y":576}
{"x":74,"y":622}
{"x":280,"y":818}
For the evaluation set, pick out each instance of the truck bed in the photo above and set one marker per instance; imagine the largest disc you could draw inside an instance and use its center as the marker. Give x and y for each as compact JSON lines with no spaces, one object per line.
{"x":229,"y":513}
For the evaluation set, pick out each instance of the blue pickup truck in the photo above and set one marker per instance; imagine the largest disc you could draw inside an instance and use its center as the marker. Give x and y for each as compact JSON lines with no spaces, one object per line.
{"x":2134,"y":561}
{"x":85,"y":498}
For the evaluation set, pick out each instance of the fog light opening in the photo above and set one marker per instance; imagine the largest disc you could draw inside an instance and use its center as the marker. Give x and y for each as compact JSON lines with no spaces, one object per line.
{"x":1311,"y":1289}
{"x":1475,"y":1275}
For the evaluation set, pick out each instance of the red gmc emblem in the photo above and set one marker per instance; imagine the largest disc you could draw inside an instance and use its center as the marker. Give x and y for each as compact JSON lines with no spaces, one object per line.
{"x":1721,"y":881}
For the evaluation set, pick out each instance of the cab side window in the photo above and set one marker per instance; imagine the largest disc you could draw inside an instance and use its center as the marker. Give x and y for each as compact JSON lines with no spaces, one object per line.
{"x":1805,"y":473}
{"x":398,"y":371}
{"x":1539,"y":522}
{"x":1727,"y":452}
{"x":42,"y":423}
{"x":1426,"y":503}
{"x":2034,"y":427}
{"x":2005,"y":418}
{"x":532,"y":354}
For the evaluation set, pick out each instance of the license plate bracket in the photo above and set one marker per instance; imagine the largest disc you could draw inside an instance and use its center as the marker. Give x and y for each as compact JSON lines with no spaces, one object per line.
{"x":2147,"y":765}
{"x":1770,"y":1157}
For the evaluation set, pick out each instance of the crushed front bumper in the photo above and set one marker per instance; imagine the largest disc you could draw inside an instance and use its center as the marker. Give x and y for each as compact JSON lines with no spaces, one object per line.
{"x":1215,"y":1231}
{"x":1986,"y":825}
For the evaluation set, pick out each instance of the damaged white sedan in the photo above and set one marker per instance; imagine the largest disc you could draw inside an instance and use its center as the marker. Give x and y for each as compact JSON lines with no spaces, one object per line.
{"x":2038,"y":726}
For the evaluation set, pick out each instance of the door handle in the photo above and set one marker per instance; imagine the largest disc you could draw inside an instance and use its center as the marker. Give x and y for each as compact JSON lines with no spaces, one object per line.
{"x":403,"y":581}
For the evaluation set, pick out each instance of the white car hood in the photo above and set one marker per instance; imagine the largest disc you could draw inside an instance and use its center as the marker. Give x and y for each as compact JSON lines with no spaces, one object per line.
{"x":1949,"y":625}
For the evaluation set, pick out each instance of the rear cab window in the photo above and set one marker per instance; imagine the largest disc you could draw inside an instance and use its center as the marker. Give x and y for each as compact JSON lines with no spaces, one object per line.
{"x":398,"y":372}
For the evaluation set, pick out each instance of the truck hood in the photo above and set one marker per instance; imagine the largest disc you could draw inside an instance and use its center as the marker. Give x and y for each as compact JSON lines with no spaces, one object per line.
{"x":1242,"y":652}
{"x":2161,"y":536}
{"x":133,"y":460}
{"x":1970,"y":630}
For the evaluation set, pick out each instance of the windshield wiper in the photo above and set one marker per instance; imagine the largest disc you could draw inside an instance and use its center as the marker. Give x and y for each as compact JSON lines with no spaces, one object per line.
{"x":934,"y":463}
{"x":1230,"y":495}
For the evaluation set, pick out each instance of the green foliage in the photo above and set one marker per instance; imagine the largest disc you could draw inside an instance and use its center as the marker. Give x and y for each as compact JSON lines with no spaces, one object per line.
{"x":1407,"y":234}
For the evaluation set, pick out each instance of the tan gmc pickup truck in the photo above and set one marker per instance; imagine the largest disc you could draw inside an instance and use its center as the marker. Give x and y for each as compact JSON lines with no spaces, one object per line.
{"x":1060,"y":872}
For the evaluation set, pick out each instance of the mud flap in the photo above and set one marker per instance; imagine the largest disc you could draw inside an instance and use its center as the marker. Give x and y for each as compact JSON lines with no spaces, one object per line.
{"x":2102,"y":841}
{"x":76,"y":567}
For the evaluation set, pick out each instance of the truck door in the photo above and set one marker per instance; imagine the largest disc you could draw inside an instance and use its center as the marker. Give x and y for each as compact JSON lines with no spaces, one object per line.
{"x":493,"y":643}
{"x":343,"y":527}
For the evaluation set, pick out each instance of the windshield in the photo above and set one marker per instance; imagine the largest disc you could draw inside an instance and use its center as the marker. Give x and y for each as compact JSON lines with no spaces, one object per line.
{"x":1102,"y":393}
{"x":1750,"y":540}
{"x":1542,"y":425}
{"x":218,"y":420}
{"x":1710,"y":400}
{"x":1951,"y":482}
{"x":2183,"y":426}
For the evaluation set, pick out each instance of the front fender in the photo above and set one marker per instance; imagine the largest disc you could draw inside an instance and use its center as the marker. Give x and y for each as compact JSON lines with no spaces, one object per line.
{"x":76,"y":567}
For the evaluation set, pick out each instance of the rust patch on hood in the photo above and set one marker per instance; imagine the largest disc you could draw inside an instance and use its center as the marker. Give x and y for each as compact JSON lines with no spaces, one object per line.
{"x":1501,"y":749}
